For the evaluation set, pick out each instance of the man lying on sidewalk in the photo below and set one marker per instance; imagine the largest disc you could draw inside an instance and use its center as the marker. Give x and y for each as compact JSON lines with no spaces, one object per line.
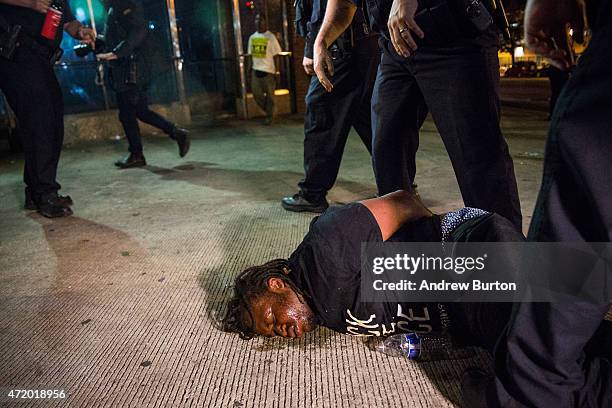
{"x":320,"y":282}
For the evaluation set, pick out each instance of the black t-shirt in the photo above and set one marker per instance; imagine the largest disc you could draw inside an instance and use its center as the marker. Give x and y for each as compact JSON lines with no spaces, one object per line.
{"x":32,"y":21}
{"x":326,"y":267}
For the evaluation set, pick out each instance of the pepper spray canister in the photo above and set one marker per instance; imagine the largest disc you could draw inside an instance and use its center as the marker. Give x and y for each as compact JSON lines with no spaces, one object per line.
{"x":52,"y":20}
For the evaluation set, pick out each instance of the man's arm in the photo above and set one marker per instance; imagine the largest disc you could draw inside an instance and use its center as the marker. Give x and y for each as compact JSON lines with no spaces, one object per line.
{"x":308,"y":64}
{"x":401,"y":23}
{"x":248,"y":62}
{"x":72,"y":27}
{"x":393,"y":210}
{"x":276,"y":52}
{"x":338,"y":17}
{"x":546,"y":28}
{"x":308,"y":61}
{"x":310,"y":30}
{"x":80,"y":32}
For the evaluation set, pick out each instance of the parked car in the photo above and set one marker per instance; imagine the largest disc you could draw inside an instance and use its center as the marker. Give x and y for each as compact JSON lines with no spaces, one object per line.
{"x":522,"y":69}
{"x":543,"y":70}
{"x":8,"y":126}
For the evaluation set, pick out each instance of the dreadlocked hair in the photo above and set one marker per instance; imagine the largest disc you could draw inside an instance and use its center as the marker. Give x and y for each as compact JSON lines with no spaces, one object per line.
{"x":250,"y":284}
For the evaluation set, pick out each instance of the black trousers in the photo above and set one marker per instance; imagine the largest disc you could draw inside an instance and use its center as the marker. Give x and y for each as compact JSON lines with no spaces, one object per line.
{"x":32,"y":91}
{"x":329,"y":116}
{"x":558,"y":79}
{"x":460,"y":86}
{"x":133,"y":105}
{"x":541,"y":360}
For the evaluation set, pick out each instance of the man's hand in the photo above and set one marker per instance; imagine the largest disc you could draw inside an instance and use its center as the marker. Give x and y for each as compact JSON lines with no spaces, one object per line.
{"x":80,"y":32}
{"x":308,"y":64}
{"x":40,"y":5}
{"x":401,"y":23}
{"x":323,"y":64}
{"x":87,"y":35}
{"x":547,"y":23}
{"x":338,"y":17}
{"x":107,"y":56}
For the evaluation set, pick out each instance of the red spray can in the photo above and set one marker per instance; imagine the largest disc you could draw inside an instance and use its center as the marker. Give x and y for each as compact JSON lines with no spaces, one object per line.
{"x":52,"y":20}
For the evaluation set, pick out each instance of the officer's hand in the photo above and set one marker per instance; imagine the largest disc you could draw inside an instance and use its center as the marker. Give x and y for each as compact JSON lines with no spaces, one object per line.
{"x":401,"y":23}
{"x":88,"y":36}
{"x":308,"y":64}
{"x":40,"y":5}
{"x":107,"y":56}
{"x":547,"y":24}
{"x":323,"y":65}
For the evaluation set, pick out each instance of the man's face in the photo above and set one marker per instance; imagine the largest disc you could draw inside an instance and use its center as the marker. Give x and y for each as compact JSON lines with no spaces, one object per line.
{"x":261,"y":24}
{"x":279,"y":312}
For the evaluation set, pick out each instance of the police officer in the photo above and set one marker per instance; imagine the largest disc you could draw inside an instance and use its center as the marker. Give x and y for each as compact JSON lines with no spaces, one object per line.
{"x":31,"y":88}
{"x":134,"y":59}
{"x":329,"y":116}
{"x":560,"y":354}
{"x":442,"y":52}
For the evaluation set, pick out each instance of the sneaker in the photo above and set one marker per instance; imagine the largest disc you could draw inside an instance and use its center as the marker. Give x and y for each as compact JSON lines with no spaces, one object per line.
{"x":298,"y":203}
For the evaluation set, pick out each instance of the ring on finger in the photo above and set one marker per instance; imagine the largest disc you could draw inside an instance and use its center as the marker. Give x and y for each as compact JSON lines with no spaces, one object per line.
{"x":403,"y":29}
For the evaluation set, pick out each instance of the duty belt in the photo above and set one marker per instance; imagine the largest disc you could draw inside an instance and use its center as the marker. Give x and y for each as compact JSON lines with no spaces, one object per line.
{"x":48,"y":53}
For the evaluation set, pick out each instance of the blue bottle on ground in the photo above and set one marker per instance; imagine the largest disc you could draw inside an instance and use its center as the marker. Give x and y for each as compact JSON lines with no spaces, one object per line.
{"x":421,"y":347}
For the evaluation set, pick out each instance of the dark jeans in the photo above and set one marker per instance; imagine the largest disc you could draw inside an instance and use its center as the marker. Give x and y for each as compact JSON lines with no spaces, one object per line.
{"x":460,"y":86}
{"x":541,"y":361}
{"x":330,"y":115}
{"x":32,"y":90}
{"x":133,"y":105}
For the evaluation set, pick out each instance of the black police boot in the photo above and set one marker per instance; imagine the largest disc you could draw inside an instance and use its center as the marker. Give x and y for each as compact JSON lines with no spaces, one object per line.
{"x":131,"y":160}
{"x":52,"y":207}
{"x":30,"y":204}
{"x":299,"y":203}
{"x":182,"y":140}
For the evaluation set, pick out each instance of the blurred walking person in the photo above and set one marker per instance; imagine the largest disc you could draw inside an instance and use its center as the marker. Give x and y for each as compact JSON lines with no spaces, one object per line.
{"x":134,"y":59}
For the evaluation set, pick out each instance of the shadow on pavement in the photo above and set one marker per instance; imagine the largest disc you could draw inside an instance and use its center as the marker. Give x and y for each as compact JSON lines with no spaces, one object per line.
{"x":268,"y":185}
{"x":88,"y":251}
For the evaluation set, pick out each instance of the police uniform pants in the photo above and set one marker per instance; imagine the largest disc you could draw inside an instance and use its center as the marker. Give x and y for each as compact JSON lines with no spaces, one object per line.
{"x":133,"y":105}
{"x":330,"y":115}
{"x":460,"y":87}
{"x":32,"y":91}
{"x":542,"y":359}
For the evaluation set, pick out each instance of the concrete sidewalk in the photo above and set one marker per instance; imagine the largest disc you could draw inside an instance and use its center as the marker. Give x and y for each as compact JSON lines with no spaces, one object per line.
{"x":115,"y":304}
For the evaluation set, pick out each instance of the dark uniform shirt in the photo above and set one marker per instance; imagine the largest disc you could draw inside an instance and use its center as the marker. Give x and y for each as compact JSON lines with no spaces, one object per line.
{"x":326,"y":267}
{"x":31,"y":22}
